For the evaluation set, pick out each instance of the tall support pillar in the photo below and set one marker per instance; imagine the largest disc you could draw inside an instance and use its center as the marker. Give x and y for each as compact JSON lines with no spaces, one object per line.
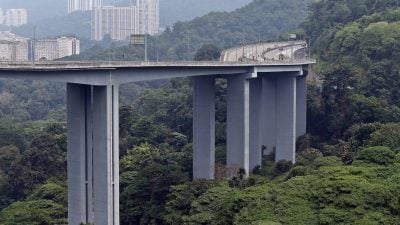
{"x":105,"y":155}
{"x":204,"y":128}
{"x":93,"y":154}
{"x":301,"y":119}
{"x":238,"y":120}
{"x":80,"y":186}
{"x":268,"y":114}
{"x":286,"y":117}
{"x":255,"y":151}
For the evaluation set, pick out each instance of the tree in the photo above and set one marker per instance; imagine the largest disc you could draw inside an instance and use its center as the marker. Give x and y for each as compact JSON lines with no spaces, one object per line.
{"x":208,"y":52}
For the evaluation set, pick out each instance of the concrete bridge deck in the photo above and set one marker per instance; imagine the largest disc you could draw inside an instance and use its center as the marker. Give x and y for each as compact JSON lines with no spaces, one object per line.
{"x":112,"y":72}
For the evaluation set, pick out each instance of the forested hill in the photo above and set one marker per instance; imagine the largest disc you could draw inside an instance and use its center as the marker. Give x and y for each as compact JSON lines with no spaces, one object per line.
{"x":358,"y":46}
{"x":261,"y":19}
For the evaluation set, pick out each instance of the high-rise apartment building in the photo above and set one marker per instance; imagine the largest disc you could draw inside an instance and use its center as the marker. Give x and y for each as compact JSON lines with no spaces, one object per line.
{"x":142,"y":17}
{"x":117,"y":22}
{"x":83,"y":5}
{"x":50,"y":49}
{"x":16,"y":17}
{"x":13,"y":47}
{"x":149,"y":16}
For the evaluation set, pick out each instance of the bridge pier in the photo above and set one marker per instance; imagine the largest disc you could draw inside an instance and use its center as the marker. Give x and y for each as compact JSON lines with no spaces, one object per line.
{"x":268,"y":114}
{"x":238,"y":124}
{"x":286,"y":118}
{"x":93,"y":154}
{"x":255,"y":151}
{"x":203,"y":127}
{"x":283,"y":113}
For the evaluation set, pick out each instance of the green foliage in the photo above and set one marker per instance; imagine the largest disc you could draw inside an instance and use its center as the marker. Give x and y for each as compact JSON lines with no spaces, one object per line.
{"x":207,"y":53}
{"x":328,"y":161}
{"x":298,"y":171}
{"x":37,"y":212}
{"x":180,"y":200}
{"x":146,"y":176}
{"x":283,"y":166}
{"x":50,"y":191}
{"x":388,"y":135}
{"x":379,"y":154}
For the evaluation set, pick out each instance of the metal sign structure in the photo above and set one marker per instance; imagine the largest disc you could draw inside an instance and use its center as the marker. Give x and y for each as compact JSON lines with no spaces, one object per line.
{"x":138,"y":39}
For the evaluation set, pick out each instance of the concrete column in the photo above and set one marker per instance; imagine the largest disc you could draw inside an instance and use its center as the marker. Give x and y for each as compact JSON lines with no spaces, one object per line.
{"x":255,"y":151}
{"x":286,"y":117}
{"x":105,"y":155}
{"x":79,"y":158}
{"x":238,"y":120}
{"x":301,"y":119}
{"x":204,"y":128}
{"x":268,"y":114}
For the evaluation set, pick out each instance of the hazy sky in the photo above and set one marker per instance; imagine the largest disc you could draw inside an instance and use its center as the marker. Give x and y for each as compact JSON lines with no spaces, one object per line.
{"x":170,"y":10}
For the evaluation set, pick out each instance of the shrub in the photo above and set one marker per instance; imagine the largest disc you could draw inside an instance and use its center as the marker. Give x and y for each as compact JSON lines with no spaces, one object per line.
{"x":298,"y":171}
{"x":328,"y":161}
{"x":283,"y":166}
{"x":397,"y":158}
{"x":378,"y":154}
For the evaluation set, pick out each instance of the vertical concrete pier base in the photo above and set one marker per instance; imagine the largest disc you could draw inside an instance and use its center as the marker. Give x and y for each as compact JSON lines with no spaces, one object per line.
{"x":301,"y":104}
{"x":255,"y":151}
{"x":203,"y":128}
{"x":286,"y":118}
{"x":93,"y":154}
{"x":238,"y":120}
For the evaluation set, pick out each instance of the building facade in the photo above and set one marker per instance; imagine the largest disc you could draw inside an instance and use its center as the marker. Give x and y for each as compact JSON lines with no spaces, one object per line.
{"x":83,"y":5}
{"x":13,"y":47}
{"x":117,"y":22}
{"x":16,"y":17}
{"x":149,"y":16}
{"x":142,"y":17}
{"x":50,"y":49}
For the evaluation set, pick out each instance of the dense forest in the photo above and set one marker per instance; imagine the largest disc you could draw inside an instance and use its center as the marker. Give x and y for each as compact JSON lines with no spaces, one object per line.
{"x":348,"y":165}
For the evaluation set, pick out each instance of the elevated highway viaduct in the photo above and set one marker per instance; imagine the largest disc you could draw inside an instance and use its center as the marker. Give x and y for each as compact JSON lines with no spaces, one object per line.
{"x":266,"y":107}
